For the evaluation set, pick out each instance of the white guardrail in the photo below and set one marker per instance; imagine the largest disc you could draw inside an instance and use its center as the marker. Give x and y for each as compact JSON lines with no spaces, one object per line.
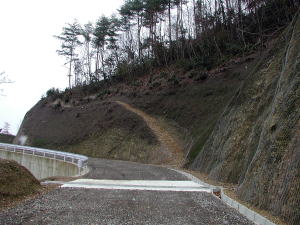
{"x":79,"y":160}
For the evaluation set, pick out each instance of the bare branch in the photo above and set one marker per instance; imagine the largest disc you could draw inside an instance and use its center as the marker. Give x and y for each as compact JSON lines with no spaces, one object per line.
{"x":4,"y":79}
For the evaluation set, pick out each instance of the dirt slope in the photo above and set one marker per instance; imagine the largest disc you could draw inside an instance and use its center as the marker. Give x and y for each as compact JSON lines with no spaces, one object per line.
{"x":96,"y":126}
{"x":16,"y":182}
{"x":171,"y":146}
{"x":93,"y":128}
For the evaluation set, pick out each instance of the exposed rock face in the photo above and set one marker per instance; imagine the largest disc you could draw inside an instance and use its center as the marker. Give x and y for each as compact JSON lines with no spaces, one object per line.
{"x":256,"y":142}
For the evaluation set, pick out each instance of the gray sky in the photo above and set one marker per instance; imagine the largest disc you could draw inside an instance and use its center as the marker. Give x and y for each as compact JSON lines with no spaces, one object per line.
{"x":28,"y":49}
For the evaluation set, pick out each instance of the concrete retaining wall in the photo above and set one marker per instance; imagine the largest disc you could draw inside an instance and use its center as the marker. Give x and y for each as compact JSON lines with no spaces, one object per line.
{"x":42,"y":166}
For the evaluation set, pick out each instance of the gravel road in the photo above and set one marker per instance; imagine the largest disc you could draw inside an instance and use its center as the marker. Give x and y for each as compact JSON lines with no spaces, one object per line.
{"x":116,"y":207}
{"x":122,"y":170}
{"x":123,"y":207}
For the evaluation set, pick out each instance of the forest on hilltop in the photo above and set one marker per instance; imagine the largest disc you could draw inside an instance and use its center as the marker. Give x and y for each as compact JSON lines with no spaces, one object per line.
{"x":147,"y":34}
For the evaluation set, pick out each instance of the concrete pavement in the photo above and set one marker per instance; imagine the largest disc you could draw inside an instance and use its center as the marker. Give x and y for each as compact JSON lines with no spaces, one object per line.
{"x":149,"y":185}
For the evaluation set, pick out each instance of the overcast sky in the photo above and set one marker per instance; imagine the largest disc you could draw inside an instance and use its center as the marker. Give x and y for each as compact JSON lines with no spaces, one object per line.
{"x":28,"y":49}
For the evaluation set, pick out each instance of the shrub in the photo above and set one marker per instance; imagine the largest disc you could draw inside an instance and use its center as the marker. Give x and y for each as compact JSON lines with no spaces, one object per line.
{"x":136,"y":83}
{"x":39,"y":142}
{"x":185,"y":64}
{"x":163,"y":74}
{"x":202,"y":75}
{"x":192,"y":74}
{"x":155,"y":84}
{"x":54,"y":93}
{"x":92,"y":87}
{"x":130,"y":71}
{"x":174,"y":79}
{"x":57,"y":105}
{"x":104,"y":92}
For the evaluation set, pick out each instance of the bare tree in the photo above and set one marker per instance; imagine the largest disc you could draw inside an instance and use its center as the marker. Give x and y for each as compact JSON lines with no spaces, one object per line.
{"x":5,"y":129}
{"x":3,"y":80}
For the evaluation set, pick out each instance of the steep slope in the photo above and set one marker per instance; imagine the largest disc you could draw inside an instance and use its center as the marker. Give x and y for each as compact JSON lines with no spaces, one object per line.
{"x":94,"y":125}
{"x":94,"y":128}
{"x":256,"y":142}
{"x":169,"y":143}
{"x":192,"y":106}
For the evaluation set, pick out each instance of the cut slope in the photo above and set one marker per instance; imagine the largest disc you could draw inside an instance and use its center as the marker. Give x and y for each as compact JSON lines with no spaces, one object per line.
{"x":256,"y":141}
{"x":193,"y":106}
{"x":98,"y":127}
{"x":94,"y":128}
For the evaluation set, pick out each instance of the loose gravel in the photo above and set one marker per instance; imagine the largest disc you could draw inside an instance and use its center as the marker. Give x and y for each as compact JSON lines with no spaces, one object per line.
{"x":116,"y":207}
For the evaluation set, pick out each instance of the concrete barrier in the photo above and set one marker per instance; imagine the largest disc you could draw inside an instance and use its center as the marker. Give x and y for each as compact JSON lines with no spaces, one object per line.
{"x":250,"y":214}
{"x":43,"y":163}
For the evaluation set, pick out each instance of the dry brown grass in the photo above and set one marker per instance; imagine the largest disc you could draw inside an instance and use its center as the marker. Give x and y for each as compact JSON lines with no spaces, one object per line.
{"x":17,"y":184}
{"x":119,"y":144}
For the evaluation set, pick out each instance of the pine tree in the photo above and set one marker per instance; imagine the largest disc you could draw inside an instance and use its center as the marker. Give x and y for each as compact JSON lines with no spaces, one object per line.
{"x":69,"y":42}
{"x":87,"y":33}
{"x":101,"y":33}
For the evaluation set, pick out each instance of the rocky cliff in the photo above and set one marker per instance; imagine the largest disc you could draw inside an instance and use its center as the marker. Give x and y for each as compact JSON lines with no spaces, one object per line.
{"x":256,"y":142}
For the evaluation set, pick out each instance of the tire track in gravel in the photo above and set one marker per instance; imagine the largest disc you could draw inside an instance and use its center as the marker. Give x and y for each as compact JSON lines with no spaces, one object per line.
{"x":169,"y":143}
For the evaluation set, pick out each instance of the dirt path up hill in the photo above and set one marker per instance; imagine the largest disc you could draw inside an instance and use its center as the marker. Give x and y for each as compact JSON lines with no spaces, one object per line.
{"x":169,"y":143}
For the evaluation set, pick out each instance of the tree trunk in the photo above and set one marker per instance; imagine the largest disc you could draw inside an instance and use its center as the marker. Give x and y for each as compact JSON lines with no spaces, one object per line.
{"x":170,"y":25}
{"x":139,"y":36}
{"x":89,"y":60}
{"x":102,"y":63}
{"x":97,"y":63}
{"x":70,"y":70}
{"x":70,"y":67}
{"x":195,"y":19}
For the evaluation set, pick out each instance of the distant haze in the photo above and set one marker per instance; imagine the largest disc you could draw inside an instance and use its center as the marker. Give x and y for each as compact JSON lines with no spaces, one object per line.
{"x":28,"y":49}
